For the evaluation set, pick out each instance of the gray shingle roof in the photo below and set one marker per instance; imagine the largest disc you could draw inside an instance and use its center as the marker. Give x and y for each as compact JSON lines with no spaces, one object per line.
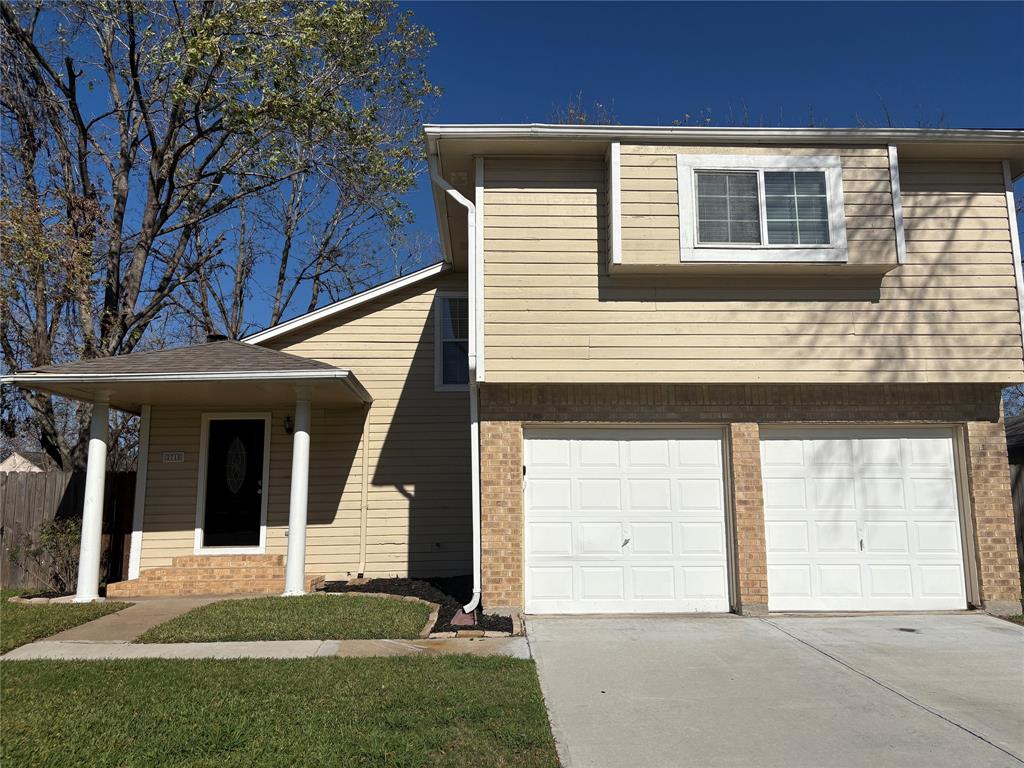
{"x":214,"y":357}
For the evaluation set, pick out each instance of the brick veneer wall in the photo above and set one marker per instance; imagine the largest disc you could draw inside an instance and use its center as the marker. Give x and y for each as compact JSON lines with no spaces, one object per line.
{"x":994,"y":533}
{"x":747,"y":501}
{"x":504,"y":408}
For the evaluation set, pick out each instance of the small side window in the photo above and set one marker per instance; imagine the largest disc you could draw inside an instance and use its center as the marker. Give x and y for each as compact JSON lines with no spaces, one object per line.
{"x":451,"y":353}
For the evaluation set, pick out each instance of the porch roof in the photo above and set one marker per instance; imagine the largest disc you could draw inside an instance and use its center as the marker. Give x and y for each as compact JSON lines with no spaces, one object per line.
{"x":218,"y":374}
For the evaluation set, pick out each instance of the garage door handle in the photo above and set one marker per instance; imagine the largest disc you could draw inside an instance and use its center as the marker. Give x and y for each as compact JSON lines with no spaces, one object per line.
{"x":625,"y":542}
{"x":862,"y":545}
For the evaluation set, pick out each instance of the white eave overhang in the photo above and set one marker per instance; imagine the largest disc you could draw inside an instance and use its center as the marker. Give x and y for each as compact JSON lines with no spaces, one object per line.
{"x":235,"y":389}
{"x":995,"y":144}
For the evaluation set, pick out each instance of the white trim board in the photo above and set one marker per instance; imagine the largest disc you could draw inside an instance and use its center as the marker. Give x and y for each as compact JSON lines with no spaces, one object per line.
{"x":1018,"y":268}
{"x":691,"y":251}
{"x":204,"y":446}
{"x":477,"y":273}
{"x":615,"y":201}
{"x":897,"y":205}
{"x":352,"y":301}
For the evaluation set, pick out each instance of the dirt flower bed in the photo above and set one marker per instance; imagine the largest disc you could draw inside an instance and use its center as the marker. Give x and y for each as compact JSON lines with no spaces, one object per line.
{"x":450,"y":593}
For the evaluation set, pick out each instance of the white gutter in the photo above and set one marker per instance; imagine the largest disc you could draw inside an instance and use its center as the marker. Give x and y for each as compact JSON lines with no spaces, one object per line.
{"x":474,"y":409}
{"x":741,"y":135}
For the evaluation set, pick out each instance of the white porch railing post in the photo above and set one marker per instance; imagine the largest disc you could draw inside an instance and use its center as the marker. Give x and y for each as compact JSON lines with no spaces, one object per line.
{"x":92,"y":512}
{"x":295,"y":566}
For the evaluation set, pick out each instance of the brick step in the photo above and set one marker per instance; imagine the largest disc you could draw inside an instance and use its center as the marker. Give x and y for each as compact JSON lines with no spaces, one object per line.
{"x":226,"y":561}
{"x":210,"y":574}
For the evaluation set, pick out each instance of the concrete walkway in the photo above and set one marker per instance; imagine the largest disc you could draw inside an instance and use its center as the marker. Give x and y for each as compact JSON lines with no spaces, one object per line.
{"x":125,"y":626}
{"x":52,"y":649}
{"x":917,"y":691}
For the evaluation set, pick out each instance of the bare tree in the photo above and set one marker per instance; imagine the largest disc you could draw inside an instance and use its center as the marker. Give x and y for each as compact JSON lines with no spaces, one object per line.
{"x":133,"y":132}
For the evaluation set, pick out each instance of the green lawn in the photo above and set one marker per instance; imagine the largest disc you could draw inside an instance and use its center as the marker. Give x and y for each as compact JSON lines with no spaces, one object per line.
{"x":1016,"y":619}
{"x":396,"y":712}
{"x":22,"y":623}
{"x":313,"y":617}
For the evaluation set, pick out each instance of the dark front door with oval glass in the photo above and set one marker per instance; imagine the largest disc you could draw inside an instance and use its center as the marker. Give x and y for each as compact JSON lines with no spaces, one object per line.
{"x":234,"y":483}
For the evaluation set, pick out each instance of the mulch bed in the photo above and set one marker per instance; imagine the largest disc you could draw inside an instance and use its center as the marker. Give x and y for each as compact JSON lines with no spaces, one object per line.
{"x":450,"y":593}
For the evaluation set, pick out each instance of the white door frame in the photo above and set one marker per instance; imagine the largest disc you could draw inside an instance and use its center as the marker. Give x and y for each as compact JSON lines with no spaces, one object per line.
{"x":204,"y":444}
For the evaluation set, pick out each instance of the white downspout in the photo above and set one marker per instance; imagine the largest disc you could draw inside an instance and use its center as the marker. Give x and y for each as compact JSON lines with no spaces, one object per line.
{"x":474,"y":415}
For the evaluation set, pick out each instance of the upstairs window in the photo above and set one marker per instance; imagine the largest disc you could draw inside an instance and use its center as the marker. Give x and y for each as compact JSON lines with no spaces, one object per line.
{"x":451,"y":347}
{"x":761,"y":208}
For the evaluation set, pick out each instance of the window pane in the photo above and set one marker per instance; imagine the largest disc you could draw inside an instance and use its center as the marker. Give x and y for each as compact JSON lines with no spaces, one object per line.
{"x":714,"y":232}
{"x":812,"y":208}
{"x":713,"y":207}
{"x":710,"y":183}
{"x":727,"y":209}
{"x":780,"y":207}
{"x":455,"y":323}
{"x":796,"y":208}
{"x":778,"y":183}
{"x":744,"y":232}
{"x":454,"y":362}
{"x":782,"y":232}
{"x":810,"y":183}
{"x":814,"y":232}
{"x":743,"y":208}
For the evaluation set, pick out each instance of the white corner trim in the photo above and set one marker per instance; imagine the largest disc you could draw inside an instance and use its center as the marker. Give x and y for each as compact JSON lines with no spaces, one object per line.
{"x":691,"y":251}
{"x":352,"y":301}
{"x":615,"y":201}
{"x":1018,"y":268}
{"x":439,"y":297}
{"x":477,"y":286}
{"x":139,"y":506}
{"x":897,"y":205}
{"x":204,"y":447}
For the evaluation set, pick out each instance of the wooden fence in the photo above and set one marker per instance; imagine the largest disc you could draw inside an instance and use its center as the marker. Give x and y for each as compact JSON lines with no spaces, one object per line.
{"x":30,"y":499}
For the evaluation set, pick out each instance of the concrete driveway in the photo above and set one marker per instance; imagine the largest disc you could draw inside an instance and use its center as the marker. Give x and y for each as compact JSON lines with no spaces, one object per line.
{"x":911,"y":690}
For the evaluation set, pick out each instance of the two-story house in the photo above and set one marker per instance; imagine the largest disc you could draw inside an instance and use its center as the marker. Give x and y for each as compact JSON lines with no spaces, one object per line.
{"x":658,"y":370}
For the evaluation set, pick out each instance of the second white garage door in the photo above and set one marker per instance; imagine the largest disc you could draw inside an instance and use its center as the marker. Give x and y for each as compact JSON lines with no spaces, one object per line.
{"x":624,"y":521}
{"x":862,"y":520}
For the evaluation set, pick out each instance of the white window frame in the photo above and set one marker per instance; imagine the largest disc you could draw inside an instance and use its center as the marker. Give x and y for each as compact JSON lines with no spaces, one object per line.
{"x":204,"y":446}
{"x":692,"y":251}
{"x":439,"y":298}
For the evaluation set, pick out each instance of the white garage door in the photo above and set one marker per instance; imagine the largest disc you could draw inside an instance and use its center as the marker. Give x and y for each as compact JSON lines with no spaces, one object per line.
{"x":624,"y":520}
{"x":862,"y":520}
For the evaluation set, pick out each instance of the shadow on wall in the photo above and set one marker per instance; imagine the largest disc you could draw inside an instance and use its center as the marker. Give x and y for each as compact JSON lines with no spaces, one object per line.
{"x":425,"y":456}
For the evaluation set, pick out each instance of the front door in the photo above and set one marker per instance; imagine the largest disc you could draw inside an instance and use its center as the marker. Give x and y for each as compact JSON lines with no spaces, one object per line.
{"x":234,"y":483}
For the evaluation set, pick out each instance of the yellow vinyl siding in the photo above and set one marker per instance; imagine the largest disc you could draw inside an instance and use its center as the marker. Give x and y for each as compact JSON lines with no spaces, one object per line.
{"x":418,"y":500}
{"x":553,"y":313}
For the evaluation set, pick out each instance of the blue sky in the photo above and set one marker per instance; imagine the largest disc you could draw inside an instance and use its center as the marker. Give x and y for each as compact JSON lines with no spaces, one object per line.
{"x":786,"y":62}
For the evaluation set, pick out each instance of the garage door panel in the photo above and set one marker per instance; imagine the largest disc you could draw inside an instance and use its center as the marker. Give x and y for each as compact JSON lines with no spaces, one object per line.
{"x":652,"y":538}
{"x":649,"y":494}
{"x":886,"y":537}
{"x":647,"y":534}
{"x":600,"y":538}
{"x":882,"y":512}
{"x":549,"y":539}
{"x":939,"y":537}
{"x":836,"y":536}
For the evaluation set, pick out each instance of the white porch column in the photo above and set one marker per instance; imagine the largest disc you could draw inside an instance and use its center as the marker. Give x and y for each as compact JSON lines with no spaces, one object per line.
{"x":92,"y":512}
{"x":295,"y":566}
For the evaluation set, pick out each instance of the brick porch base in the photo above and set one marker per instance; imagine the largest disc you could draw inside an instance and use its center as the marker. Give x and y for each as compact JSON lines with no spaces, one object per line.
{"x":212,"y":575}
